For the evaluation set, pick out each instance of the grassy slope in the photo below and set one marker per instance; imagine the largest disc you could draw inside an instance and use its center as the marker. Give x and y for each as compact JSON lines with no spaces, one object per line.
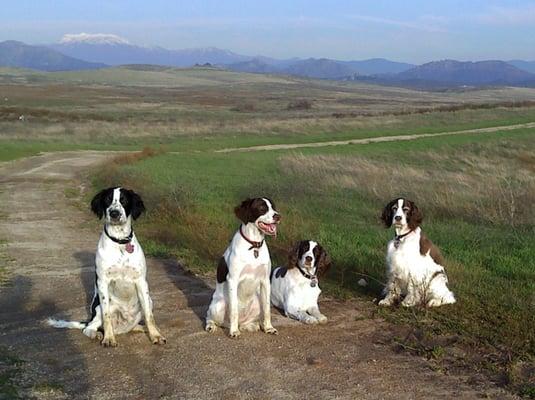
{"x":116,"y":136}
{"x":490,"y":265}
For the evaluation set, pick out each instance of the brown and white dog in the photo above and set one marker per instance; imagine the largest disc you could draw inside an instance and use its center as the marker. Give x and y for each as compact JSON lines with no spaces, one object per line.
{"x":415,"y":264}
{"x":295,"y":289}
{"x":242,"y":296}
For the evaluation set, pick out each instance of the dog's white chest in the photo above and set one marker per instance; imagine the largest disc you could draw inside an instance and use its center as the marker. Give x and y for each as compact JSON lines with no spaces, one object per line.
{"x":123,"y":269}
{"x":250,"y":278}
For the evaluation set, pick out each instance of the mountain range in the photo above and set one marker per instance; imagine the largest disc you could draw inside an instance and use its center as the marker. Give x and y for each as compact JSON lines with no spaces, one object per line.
{"x":18,"y":54}
{"x":90,"y":51}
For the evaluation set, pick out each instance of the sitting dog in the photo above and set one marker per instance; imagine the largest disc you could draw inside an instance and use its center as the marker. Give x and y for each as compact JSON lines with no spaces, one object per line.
{"x":241,"y":298}
{"x":415,"y":265}
{"x":121,"y":295}
{"x":296,"y":289}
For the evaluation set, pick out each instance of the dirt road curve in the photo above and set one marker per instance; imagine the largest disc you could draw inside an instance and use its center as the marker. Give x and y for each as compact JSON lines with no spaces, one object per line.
{"x":396,"y":138}
{"x":52,"y":275}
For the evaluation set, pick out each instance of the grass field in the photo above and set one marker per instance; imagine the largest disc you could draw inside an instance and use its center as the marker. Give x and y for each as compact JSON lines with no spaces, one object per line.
{"x":476,"y":191}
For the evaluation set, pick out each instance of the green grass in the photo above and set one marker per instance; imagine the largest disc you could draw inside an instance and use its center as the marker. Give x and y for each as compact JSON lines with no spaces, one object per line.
{"x":434,"y":122}
{"x":490,"y":263}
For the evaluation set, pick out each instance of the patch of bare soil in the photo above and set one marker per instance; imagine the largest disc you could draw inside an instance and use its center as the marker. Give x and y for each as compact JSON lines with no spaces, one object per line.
{"x":376,"y":139}
{"x":52,"y":274}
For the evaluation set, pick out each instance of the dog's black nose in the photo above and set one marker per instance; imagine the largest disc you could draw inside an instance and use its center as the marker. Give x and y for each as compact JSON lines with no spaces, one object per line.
{"x":114,"y":213}
{"x":308,"y":259}
{"x":397,"y":217}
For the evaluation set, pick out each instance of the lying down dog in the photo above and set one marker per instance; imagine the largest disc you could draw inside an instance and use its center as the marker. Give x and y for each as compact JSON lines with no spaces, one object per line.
{"x":121,"y":299}
{"x":295,"y":289}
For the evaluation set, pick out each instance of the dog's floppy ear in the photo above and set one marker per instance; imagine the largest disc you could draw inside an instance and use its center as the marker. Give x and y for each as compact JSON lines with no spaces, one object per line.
{"x":243,"y":211}
{"x":137,"y":206}
{"x":388,"y":214}
{"x":293,"y":256}
{"x":415,"y":216}
{"x":97,"y":204}
{"x":323,"y":263}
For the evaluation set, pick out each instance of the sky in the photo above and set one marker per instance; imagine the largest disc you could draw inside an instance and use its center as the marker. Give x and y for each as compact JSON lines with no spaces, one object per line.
{"x":410,"y":31}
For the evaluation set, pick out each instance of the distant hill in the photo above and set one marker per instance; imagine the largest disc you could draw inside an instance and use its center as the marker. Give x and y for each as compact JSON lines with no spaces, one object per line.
{"x":375,"y":66}
{"x":322,"y":68}
{"x":256,"y":65}
{"x":113,"y":50}
{"x":451,"y":72}
{"x":18,"y":54}
{"x":528,"y":66}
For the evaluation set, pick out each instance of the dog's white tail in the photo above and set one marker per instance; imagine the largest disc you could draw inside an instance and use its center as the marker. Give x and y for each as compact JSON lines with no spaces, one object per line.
{"x":60,"y":323}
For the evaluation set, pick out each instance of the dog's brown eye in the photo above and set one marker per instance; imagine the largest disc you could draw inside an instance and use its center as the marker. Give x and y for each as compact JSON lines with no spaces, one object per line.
{"x":406,"y":209}
{"x":394,"y":208}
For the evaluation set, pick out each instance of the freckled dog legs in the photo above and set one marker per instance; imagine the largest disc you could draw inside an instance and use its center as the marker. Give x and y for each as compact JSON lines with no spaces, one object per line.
{"x":146,"y":304}
{"x":265,"y":305}
{"x":393,"y":292}
{"x":233,"y":305}
{"x":104,"y":297}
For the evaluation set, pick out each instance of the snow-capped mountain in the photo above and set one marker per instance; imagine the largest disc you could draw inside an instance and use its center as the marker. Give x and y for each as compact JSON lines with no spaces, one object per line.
{"x":114,"y":50}
{"x":92,"y":38}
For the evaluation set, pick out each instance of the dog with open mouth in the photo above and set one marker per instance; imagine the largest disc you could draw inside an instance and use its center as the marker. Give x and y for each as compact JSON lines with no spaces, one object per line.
{"x":241,"y":300}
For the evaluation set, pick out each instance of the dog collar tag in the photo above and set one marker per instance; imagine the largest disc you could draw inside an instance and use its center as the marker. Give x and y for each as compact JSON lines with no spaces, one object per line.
{"x":129,"y":247}
{"x":397,"y":242}
{"x":255,"y":252}
{"x":313,"y":282}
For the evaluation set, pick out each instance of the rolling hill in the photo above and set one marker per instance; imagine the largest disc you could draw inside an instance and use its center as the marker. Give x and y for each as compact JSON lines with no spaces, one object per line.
{"x":467,"y":73}
{"x":18,"y":54}
{"x":528,"y":66}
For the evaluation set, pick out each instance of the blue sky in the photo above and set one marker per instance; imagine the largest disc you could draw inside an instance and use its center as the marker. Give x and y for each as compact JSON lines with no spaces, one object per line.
{"x":412,"y":31}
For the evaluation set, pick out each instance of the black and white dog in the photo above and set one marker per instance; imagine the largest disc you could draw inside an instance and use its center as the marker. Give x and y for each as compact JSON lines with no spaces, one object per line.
{"x":415,"y":264}
{"x":242,"y":296}
{"x":121,"y":296}
{"x":295,"y":289}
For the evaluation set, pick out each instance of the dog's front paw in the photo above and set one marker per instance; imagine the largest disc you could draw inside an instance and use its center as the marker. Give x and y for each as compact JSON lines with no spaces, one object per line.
{"x":434,"y":303}
{"x":234,"y":334}
{"x":408,"y":302}
{"x":158,"y":339}
{"x":92,"y":333}
{"x":322,"y":319}
{"x":310,"y":320}
{"x":109,"y":341}
{"x":270,"y":330}
{"x":210,"y":327}
{"x":385,"y":302}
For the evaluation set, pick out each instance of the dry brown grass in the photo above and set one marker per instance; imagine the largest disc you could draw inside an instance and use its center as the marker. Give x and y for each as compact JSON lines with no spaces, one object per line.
{"x":114,"y":114}
{"x":496,"y":188}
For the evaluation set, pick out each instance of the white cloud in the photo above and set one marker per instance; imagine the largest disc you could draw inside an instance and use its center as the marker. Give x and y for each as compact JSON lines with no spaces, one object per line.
{"x":509,"y":15}
{"x":427,"y":23}
{"x":93,"y":38}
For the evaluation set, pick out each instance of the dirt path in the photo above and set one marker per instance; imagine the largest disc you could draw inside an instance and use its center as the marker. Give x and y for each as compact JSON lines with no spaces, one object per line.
{"x":52,"y":244}
{"x":375,"y":139}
